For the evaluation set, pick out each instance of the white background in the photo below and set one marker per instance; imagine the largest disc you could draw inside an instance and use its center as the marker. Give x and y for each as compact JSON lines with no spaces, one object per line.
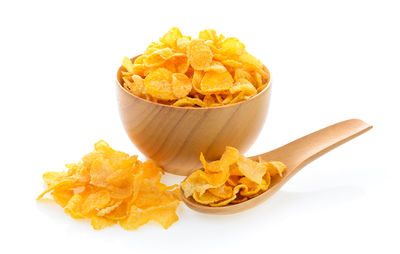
{"x":330,"y":61}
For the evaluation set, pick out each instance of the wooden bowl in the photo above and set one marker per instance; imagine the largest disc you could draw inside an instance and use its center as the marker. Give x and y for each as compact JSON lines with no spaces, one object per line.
{"x":175,"y":136}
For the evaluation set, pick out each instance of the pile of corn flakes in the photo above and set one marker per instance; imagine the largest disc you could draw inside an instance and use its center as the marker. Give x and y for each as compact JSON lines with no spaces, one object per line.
{"x":230,"y":180}
{"x":208,"y":71}
{"x":110,"y":187}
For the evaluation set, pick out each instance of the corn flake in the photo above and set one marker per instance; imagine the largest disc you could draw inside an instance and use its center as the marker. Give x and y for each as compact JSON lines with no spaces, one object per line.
{"x":232,"y":46}
{"x":158,"y":84}
{"x":243,"y":86}
{"x":206,"y":198}
{"x":213,"y":82}
{"x":276,"y":168}
{"x":127,"y":63}
{"x":110,"y":187}
{"x":199,"y":54}
{"x":208,"y":34}
{"x":189,"y":102}
{"x":232,"y":179}
{"x":171,"y":37}
{"x":181,"y":85}
{"x":216,"y":67}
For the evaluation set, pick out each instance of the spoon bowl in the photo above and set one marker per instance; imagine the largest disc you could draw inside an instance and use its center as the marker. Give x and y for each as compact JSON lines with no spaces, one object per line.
{"x":295,"y":156}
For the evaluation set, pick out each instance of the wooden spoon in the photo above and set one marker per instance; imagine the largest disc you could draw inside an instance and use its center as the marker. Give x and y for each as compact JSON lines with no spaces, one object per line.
{"x":295,"y":155}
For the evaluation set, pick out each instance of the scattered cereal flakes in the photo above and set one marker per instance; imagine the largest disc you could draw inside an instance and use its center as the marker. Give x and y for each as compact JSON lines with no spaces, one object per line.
{"x":73,"y":207}
{"x":99,"y":222}
{"x":199,"y":54}
{"x":213,"y":64}
{"x":110,"y":187}
{"x":61,"y":185}
{"x":95,"y":201}
{"x":232,"y":179}
{"x":52,"y":178}
{"x":120,"y":212}
{"x":109,"y":209}
{"x":62,"y":197}
{"x":165,"y":215}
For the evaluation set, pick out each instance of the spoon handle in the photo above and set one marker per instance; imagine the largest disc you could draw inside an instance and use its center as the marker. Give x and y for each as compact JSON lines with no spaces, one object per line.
{"x":302,"y":151}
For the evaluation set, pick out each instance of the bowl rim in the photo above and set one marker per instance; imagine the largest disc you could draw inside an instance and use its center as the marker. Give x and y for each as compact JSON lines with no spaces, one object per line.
{"x":267,"y":88}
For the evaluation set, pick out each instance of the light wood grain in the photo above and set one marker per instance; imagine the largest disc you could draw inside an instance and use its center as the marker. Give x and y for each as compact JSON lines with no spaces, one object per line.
{"x":175,"y":136}
{"x":295,"y":155}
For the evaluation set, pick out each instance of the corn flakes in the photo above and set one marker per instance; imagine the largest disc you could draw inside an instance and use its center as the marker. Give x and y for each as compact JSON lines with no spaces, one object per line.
{"x":232,"y":179}
{"x":181,"y":71}
{"x":110,"y":187}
